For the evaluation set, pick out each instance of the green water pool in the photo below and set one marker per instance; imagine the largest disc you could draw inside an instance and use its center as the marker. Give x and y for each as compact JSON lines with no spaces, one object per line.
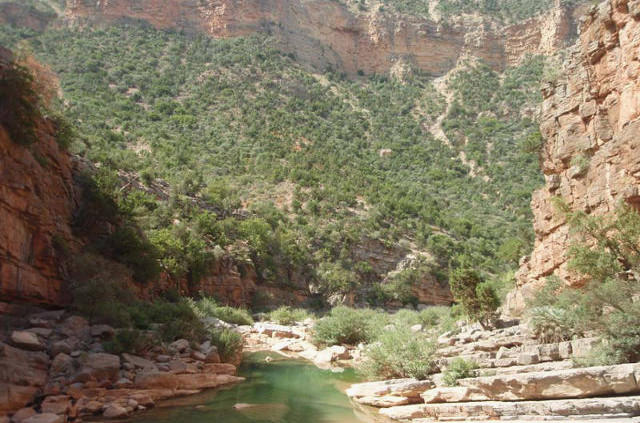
{"x":283,"y":391}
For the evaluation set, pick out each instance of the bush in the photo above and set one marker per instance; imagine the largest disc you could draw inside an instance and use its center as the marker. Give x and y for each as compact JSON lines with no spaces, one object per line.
{"x":399,"y":353}
{"x":207,"y":307}
{"x":228,"y":342}
{"x":128,"y":341}
{"x":605,"y":251}
{"x":288,"y":316}
{"x":478,"y":299}
{"x":349,"y":326}
{"x":99,"y":290}
{"x":19,"y":104}
{"x":441,"y":317}
{"x":459,"y":368}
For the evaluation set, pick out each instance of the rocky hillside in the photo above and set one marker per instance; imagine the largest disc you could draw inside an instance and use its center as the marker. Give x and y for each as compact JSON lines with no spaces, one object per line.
{"x":590,"y":124}
{"x":370,"y":38}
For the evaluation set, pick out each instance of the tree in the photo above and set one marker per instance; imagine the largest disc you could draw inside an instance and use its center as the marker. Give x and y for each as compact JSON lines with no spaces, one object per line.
{"x":478,"y":299}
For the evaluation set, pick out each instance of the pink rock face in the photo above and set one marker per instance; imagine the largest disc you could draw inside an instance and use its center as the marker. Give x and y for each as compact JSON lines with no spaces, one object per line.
{"x":591,"y":116}
{"x":327,"y":33}
{"x":36,"y":203}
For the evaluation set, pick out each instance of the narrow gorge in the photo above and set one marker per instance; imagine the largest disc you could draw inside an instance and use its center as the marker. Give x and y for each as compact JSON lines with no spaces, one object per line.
{"x":319,"y":210}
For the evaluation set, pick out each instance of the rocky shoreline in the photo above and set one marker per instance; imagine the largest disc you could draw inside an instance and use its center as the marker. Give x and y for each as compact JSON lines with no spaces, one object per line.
{"x":54,"y":369}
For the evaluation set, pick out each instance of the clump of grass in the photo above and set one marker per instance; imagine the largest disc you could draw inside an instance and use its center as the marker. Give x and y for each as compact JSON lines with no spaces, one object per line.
{"x":228,"y":342}
{"x":459,"y":369}
{"x":288,"y":316}
{"x":207,"y":307}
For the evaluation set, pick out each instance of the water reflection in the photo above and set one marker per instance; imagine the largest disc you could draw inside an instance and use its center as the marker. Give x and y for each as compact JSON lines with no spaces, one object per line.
{"x":282,"y":391}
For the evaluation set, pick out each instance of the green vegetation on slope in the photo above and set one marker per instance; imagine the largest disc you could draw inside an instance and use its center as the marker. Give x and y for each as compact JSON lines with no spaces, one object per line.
{"x":605,"y":251}
{"x":281,"y":167}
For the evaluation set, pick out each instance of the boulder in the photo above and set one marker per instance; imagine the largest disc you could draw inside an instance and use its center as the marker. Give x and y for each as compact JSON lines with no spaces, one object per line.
{"x":23,"y":374}
{"x":64,"y":346}
{"x":212,"y":356}
{"x":113,"y":411}
{"x":99,"y":367}
{"x":410,"y":388}
{"x":26,"y":340}
{"x":45,"y":418}
{"x":102,"y":331}
{"x":75,"y":326}
{"x":558,"y":384}
{"x":180,"y":346}
{"x":138,"y":362}
{"x":57,"y":404}
{"x":62,"y":365}
{"x":22,"y":414}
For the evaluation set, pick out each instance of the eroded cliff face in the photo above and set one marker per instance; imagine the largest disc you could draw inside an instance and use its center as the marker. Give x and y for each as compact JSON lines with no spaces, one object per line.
{"x":37,"y":199}
{"x":591,"y":154}
{"x":325,"y":33}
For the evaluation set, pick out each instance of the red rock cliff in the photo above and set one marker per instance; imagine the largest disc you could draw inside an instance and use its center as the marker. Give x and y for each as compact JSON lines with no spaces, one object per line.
{"x":591,"y":154}
{"x":37,"y":199}
{"x":326,"y":33}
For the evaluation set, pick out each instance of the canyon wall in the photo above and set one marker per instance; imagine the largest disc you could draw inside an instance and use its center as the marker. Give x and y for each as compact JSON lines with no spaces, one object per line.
{"x":591,"y":153}
{"x":37,"y":199}
{"x":324,"y":33}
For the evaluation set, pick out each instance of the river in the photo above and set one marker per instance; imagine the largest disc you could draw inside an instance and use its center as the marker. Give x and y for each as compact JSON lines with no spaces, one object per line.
{"x":282,"y":391}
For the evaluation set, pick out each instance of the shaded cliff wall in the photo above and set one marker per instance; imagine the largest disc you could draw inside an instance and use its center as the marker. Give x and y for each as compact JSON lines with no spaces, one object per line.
{"x":37,"y":199}
{"x":591,"y":153}
{"x":325,"y":33}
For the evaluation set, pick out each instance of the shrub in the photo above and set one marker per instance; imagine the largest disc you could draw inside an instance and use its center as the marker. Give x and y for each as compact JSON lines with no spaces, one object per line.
{"x":605,"y":251}
{"x":399,"y":353}
{"x":288,"y":316}
{"x":19,"y":104}
{"x":207,"y":307}
{"x":459,"y":368}
{"x":128,"y":341}
{"x":436,"y":316}
{"x":346,"y":325}
{"x":228,"y":342}
{"x":234,"y":315}
{"x":478,"y":299}
{"x":99,"y":290}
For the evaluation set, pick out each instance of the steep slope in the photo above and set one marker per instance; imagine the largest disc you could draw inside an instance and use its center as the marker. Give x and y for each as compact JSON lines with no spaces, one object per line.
{"x":590,"y":126}
{"x":37,"y":200}
{"x":329,"y":34}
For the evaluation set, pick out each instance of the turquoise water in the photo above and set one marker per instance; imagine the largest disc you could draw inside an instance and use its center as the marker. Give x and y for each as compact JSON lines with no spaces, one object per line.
{"x":282,"y":391}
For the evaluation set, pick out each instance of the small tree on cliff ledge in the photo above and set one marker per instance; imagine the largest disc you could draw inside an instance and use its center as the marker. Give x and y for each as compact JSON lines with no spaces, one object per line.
{"x":478,"y":299}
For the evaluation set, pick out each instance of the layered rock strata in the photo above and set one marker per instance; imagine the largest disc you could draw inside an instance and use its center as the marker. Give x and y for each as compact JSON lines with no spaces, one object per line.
{"x":590,"y":126}
{"x":330,"y":34}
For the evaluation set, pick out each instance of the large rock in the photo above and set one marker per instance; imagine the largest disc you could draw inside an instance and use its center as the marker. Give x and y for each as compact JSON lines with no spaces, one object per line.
{"x":22,"y":375}
{"x":389,"y":392}
{"x":45,"y":418}
{"x":27,"y":340}
{"x":56,"y":404}
{"x":62,"y":365}
{"x":99,"y":367}
{"x":114,"y":411}
{"x":572,"y":383}
{"x":527,"y":410}
{"x":138,"y":362}
{"x":172,"y":381}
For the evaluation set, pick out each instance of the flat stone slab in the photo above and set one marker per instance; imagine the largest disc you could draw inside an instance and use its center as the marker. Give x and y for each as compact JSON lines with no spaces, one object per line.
{"x":558,"y":384}
{"x":489,"y":410}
